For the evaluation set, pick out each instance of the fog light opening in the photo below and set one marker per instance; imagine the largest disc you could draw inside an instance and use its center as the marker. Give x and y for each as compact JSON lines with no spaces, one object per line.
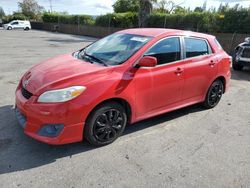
{"x":51,"y":130}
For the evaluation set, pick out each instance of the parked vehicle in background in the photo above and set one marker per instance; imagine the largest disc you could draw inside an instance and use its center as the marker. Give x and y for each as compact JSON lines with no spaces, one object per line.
{"x":241,"y":57}
{"x":123,"y":78}
{"x":18,"y":24}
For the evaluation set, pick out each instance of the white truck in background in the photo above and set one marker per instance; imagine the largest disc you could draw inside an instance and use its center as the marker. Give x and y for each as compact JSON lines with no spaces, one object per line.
{"x":18,"y":24}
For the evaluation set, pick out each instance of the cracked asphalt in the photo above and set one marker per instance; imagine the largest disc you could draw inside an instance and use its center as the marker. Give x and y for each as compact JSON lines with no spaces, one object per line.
{"x":191,"y":147}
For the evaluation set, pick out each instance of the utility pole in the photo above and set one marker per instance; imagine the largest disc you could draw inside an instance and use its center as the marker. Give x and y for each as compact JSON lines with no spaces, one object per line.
{"x":50,"y":2}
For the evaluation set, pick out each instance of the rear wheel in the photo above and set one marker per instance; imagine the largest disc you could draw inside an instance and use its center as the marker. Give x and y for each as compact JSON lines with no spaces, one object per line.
{"x":26,"y":28}
{"x":214,"y":94}
{"x":105,"y":124}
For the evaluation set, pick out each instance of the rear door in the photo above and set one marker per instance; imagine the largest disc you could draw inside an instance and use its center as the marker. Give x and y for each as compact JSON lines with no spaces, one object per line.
{"x":200,"y":67}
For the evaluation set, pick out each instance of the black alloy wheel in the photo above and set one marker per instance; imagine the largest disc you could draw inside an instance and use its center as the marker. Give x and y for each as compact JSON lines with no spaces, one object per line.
{"x":108,"y":125}
{"x":214,"y":94}
{"x":105,"y":124}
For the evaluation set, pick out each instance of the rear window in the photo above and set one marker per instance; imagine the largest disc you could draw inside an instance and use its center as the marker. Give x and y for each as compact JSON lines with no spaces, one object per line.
{"x":196,"y":47}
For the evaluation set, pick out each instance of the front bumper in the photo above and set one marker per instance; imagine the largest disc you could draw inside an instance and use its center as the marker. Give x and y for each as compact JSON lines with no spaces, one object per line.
{"x":33,"y":116}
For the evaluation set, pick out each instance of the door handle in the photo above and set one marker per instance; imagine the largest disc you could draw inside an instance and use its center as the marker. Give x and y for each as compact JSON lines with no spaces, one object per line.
{"x":178,"y":71}
{"x":212,"y":63}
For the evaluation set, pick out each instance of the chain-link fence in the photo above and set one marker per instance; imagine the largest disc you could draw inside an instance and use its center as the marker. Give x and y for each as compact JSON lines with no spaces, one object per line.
{"x":229,"y":41}
{"x":84,"y":25}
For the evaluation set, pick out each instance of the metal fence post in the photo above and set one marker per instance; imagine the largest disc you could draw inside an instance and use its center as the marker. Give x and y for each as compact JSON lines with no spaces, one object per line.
{"x":165,"y":20}
{"x":78,"y":27}
{"x":232,"y":42}
{"x":109,"y":24}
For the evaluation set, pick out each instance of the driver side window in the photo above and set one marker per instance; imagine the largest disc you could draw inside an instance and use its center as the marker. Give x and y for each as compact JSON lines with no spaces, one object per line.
{"x":166,"y":51}
{"x":14,"y":23}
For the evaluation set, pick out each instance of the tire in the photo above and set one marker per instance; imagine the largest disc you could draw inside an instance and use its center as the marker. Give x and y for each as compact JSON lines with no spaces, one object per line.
{"x":9,"y":28}
{"x":105,"y":124}
{"x":26,"y":29}
{"x":214,"y":94}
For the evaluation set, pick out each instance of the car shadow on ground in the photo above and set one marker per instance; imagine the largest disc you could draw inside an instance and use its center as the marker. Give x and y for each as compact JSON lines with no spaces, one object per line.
{"x":19,"y":152}
{"x":241,"y":75}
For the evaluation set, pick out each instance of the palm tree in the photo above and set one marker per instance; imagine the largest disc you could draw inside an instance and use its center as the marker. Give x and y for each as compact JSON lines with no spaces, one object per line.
{"x":146,"y":7}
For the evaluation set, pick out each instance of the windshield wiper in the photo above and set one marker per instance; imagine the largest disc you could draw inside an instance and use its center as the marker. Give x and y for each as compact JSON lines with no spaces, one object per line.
{"x":96,"y":59}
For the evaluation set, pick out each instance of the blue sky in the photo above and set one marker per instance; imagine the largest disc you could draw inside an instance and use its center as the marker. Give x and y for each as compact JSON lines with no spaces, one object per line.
{"x":97,"y":7}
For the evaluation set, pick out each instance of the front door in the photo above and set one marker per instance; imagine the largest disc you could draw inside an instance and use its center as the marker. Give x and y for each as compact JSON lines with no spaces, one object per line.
{"x":160,"y":86}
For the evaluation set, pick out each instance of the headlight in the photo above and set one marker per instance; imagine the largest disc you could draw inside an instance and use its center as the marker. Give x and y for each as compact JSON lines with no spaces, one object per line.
{"x":61,"y":95}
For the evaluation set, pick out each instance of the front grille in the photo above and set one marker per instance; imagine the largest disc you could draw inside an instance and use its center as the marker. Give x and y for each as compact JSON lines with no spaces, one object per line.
{"x":26,"y":93}
{"x":246,"y":53}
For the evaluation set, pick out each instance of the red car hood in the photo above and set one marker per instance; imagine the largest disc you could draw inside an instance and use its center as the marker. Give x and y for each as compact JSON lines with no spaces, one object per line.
{"x":56,"y":71}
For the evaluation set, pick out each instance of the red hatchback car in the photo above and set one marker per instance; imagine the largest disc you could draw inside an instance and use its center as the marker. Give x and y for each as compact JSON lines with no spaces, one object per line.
{"x":123,"y":78}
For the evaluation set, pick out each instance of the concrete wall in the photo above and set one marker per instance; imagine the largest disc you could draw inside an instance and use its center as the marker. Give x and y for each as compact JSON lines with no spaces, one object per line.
{"x":228,"y":40}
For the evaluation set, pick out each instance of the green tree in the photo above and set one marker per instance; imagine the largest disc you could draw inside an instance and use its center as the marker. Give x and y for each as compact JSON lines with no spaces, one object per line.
{"x":121,"y":6}
{"x":2,"y":14}
{"x":198,"y":9}
{"x":161,"y":6}
{"x":180,"y":10}
{"x":223,"y":8}
{"x":30,"y":8}
{"x":165,"y":6}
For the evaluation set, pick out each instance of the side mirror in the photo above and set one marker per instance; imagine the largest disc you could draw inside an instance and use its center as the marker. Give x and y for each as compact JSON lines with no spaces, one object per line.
{"x":147,"y":61}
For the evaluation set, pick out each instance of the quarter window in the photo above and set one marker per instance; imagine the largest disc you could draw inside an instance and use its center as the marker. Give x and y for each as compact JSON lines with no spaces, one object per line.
{"x":196,"y":47}
{"x":166,"y":51}
{"x":217,"y":43}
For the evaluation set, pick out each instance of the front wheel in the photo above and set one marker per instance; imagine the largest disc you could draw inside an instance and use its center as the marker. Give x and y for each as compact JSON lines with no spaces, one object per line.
{"x":105,"y":124}
{"x":214,"y":94}
{"x":9,"y":28}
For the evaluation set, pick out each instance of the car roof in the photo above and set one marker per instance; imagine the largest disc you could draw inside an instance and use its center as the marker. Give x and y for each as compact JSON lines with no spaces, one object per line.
{"x":156,"y":32}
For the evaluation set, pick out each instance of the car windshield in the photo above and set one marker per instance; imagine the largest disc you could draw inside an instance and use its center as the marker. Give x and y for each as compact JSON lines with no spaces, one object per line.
{"x":113,"y":49}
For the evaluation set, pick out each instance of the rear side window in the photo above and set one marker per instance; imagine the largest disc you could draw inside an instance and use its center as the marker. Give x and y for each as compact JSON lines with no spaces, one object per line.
{"x":166,"y":51}
{"x":196,"y":47}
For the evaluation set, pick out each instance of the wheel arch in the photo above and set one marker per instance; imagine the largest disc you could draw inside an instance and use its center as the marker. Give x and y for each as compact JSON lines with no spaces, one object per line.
{"x":120,"y":101}
{"x":223,"y":79}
